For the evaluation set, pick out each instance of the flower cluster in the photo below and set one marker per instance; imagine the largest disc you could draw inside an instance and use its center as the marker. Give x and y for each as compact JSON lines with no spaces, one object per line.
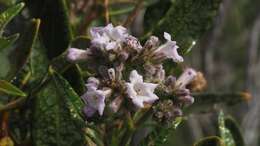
{"x":124,"y":71}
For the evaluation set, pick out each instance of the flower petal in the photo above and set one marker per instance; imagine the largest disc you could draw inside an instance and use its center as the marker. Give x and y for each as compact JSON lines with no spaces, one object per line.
{"x":138,"y":102}
{"x":89,"y":111}
{"x":167,"y":36}
{"x":130,"y":90}
{"x":135,"y":77}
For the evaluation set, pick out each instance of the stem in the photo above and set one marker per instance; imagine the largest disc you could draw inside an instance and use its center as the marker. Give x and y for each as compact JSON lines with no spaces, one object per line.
{"x":134,"y":13}
{"x":106,"y":2}
{"x":89,"y":18}
{"x":13,"y":104}
{"x":139,"y":122}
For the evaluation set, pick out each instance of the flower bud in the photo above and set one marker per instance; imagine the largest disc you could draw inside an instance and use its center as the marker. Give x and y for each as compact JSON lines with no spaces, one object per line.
{"x":111,"y":74}
{"x":116,"y":104}
{"x":133,"y":43}
{"x":170,"y":81}
{"x":151,"y":43}
{"x":92,"y":83}
{"x":75,"y":55}
{"x":186,"y":77}
{"x":123,"y":56}
{"x":182,"y":92}
{"x":187,"y":100}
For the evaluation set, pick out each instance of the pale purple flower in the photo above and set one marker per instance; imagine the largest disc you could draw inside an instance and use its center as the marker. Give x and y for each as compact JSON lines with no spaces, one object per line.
{"x":169,"y":49}
{"x":92,"y":83}
{"x":118,"y":33}
{"x":139,"y":91}
{"x":108,"y":37}
{"x":75,"y":55}
{"x":94,"y":98}
{"x":95,"y":101}
{"x":186,"y":77}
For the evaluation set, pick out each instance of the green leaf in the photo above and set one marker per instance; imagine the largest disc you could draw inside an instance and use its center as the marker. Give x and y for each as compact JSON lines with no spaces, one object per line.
{"x":6,"y":42}
{"x":233,"y":127}
{"x":73,"y":76}
{"x":8,"y":88}
{"x":225,"y":134}
{"x":55,"y":121}
{"x":22,"y":51}
{"x":155,"y":12}
{"x":210,"y":141}
{"x":71,"y":72}
{"x":38,"y":64}
{"x":187,"y":21}
{"x":72,"y":97}
{"x":14,"y":58}
{"x":55,"y":29}
{"x":8,"y":15}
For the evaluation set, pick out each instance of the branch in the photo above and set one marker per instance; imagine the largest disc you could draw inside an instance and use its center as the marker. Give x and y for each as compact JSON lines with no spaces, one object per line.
{"x":134,"y":13}
{"x":106,"y":2}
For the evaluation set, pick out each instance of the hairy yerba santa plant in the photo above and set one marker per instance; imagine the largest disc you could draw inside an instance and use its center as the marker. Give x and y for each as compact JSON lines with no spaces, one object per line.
{"x":61,"y":86}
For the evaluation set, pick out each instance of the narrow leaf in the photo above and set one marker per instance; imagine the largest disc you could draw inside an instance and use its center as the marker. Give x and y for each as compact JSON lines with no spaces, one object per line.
{"x":55,"y":29}
{"x":225,"y":134}
{"x":72,"y":97}
{"x":55,"y":122}
{"x":233,"y":127}
{"x":155,"y":12}
{"x":8,"y":88}
{"x":6,"y":42}
{"x":8,"y":15}
{"x":187,"y":21}
{"x":22,"y":51}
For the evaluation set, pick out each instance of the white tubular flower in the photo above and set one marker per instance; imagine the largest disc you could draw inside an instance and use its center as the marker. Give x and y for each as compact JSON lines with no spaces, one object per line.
{"x":169,"y":49}
{"x":75,"y":55}
{"x":186,"y":77}
{"x":139,"y":91}
{"x":109,"y":37}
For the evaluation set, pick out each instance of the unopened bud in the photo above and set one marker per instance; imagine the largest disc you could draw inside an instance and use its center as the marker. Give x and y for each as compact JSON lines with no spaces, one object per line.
{"x":75,"y":55}
{"x":123,"y":56}
{"x":111,"y":74}
{"x":186,"y":77}
{"x":151,"y":43}
{"x":187,"y":100}
{"x":182,"y":92}
{"x":133,"y":43}
{"x":116,"y":104}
